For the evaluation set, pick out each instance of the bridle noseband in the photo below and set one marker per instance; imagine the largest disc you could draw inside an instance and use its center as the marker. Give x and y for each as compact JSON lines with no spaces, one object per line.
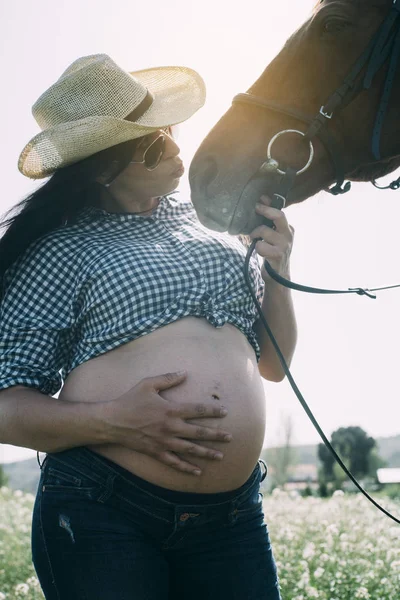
{"x":384,"y":45}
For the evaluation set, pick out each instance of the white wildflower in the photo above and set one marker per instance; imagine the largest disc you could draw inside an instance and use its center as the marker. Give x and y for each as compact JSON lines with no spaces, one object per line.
{"x":390,"y":554}
{"x":304,"y":580}
{"x":370,"y":547}
{"x":309,"y":550}
{"x":33,"y":582}
{"x":319,"y":572}
{"x":344,"y":546}
{"x":22,"y":589}
{"x":324,"y":557}
{"x":332,"y":529}
{"x":394,"y":532}
{"x":362,"y":592}
{"x":382,"y":541}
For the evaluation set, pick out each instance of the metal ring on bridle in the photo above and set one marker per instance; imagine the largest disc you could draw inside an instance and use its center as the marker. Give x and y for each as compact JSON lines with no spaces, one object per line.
{"x":291,"y":131}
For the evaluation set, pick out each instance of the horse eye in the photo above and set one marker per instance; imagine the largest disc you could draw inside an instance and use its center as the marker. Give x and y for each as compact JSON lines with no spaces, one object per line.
{"x":334,"y":26}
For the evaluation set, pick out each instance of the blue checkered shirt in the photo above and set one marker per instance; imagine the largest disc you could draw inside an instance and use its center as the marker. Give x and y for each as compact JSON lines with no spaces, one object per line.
{"x":88,"y":287}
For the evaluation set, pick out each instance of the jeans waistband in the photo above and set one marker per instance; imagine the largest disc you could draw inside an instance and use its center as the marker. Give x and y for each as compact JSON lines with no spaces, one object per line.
{"x":99,"y":468}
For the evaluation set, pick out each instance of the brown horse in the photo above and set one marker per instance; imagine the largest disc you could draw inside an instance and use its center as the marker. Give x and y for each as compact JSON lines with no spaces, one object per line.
{"x":356,"y":131}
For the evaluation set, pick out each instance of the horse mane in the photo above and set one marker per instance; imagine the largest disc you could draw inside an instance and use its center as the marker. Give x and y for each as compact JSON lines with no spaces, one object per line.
{"x":373,"y":171}
{"x":378,"y":3}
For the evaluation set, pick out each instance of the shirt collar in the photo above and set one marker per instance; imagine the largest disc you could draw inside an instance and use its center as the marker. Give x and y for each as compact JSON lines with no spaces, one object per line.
{"x":93,"y":213}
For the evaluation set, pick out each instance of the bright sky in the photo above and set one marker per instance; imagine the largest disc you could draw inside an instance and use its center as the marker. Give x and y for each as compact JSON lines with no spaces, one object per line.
{"x":347,"y":356}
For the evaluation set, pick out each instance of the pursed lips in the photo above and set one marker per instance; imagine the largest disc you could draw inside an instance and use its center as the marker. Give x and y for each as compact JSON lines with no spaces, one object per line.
{"x":178,"y":169}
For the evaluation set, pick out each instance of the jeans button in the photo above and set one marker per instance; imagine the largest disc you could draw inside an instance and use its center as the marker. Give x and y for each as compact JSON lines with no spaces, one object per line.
{"x":184,"y":517}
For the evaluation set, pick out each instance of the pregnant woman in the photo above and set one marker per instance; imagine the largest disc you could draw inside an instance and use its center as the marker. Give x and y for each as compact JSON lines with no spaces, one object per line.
{"x":114,"y":293}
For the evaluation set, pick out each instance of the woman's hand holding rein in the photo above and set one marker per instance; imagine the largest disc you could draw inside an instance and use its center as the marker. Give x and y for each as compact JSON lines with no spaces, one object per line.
{"x":142,"y":420}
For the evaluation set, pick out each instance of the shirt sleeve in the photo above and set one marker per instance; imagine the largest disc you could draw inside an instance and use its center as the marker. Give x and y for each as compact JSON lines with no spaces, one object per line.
{"x":36,"y":316}
{"x":260,"y":286}
{"x":255,"y":268}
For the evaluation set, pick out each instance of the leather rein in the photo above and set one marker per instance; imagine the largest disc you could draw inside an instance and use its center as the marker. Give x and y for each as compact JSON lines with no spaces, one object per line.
{"x":385,"y":45}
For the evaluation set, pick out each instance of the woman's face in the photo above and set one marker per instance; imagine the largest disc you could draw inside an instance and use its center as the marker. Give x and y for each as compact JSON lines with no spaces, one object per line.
{"x":159,"y":181}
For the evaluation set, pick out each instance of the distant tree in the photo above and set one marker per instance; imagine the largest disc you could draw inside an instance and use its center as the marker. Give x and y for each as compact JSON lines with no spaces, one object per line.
{"x":323,"y":490}
{"x":375,"y":462}
{"x":3,"y":477}
{"x":280,"y":459}
{"x":354,"y":447}
{"x":307,"y":491}
{"x":339,"y":476}
{"x":394,"y":460}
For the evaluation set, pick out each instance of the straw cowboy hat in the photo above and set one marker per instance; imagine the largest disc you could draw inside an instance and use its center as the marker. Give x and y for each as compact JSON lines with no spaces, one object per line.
{"x":95,"y":104}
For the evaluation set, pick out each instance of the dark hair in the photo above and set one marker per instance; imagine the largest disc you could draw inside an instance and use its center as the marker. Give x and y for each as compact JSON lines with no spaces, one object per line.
{"x":59,"y":200}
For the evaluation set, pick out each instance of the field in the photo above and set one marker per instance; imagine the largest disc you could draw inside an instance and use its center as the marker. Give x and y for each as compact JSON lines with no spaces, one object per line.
{"x":336,"y":549}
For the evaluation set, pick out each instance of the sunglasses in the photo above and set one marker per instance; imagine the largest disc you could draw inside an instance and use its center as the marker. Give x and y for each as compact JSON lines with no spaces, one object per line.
{"x":154,"y":152}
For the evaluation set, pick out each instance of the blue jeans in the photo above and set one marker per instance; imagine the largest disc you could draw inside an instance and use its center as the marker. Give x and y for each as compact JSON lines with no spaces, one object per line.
{"x":101,"y":533}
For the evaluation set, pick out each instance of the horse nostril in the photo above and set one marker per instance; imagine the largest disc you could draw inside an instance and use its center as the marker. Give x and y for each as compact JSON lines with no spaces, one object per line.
{"x":204,"y":172}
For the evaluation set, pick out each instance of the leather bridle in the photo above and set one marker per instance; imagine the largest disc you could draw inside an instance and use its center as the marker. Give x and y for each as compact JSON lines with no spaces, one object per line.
{"x":384,"y":45}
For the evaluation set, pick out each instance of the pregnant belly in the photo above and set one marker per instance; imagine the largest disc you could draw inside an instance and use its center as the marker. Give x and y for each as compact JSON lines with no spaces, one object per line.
{"x":221,"y":366}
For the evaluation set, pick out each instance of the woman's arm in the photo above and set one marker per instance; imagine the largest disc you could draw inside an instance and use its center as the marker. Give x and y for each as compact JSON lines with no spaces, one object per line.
{"x":34,"y":420}
{"x":277,"y":305}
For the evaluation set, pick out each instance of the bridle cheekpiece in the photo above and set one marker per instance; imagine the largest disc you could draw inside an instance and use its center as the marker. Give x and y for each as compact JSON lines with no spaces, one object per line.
{"x":385,"y":45}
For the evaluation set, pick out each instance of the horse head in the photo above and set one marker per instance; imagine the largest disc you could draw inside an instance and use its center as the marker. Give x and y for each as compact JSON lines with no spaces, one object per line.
{"x":337,"y":76}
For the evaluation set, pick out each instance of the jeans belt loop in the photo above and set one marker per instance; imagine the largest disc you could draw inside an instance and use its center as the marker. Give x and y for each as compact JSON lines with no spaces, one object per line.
{"x":265,"y":469}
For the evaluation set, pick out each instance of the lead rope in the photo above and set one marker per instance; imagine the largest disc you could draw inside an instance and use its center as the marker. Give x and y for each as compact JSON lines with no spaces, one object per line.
{"x":312,"y":290}
{"x":296,"y":390}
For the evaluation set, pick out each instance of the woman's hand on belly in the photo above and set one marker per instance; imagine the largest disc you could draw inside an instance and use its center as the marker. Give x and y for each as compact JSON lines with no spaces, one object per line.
{"x":145,"y":422}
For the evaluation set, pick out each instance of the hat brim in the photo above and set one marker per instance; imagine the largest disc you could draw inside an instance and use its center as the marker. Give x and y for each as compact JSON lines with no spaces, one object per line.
{"x":178,"y":93}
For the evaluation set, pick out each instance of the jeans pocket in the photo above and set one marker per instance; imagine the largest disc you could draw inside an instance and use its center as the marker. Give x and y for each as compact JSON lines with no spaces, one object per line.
{"x":249,"y":505}
{"x":65,"y":479}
